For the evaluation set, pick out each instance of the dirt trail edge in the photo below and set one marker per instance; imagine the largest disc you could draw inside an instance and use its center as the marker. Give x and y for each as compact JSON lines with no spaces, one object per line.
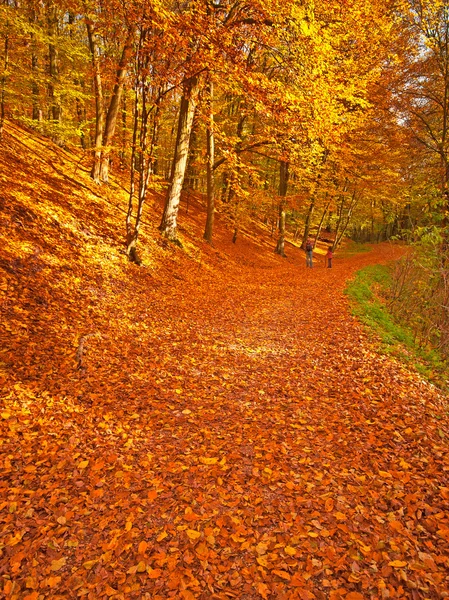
{"x":204,"y":429}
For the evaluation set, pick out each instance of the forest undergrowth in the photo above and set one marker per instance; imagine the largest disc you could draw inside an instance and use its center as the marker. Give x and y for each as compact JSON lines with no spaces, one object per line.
{"x":214,"y":424}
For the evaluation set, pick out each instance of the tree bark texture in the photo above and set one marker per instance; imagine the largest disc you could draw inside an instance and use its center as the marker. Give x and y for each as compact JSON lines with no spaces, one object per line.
{"x":3,"y":84}
{"x":283,"y":185}
{"x":114,"y":105}
{"x":99,"y":110}
{"x":189,"y":101}
{"x":208,"y":232}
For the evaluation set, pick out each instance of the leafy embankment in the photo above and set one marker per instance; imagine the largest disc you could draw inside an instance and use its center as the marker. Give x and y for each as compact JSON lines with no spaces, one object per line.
{"x":213,"y":425}
{"x":369,"y":292}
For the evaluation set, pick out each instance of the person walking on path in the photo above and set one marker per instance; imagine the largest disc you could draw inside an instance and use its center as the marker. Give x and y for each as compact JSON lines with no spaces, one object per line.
{"x":328,"y":258}
{"x":309,"y":253}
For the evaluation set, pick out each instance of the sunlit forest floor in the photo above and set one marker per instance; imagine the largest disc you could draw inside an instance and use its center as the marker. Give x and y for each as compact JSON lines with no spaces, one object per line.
{"x":212,"y":425}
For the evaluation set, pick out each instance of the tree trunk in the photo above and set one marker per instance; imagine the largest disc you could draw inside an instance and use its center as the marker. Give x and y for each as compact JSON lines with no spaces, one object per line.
{"x":53,"y":61}
{"x":283,"y":185}
{"x":146,"y":172}
{"x":189,"y":101}
{"x":210,"y":167}
{"x":99,"y":109}
{"x":323,"y":216}
{"x":3,"y":83}
{"x":36,"y":111}
{"x":340,"y":232}
{"x":146,"y":159}
{"x":308,"y":222}
{"x":114,"y":105}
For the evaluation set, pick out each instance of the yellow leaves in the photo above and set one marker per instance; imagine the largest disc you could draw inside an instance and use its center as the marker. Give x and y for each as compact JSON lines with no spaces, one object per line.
{"x":261,"y":548}
{"x":89,"y":564}
{"x":262,"y":560}
{"x":128,"y":525}
{"x":208,"y":461}
{"x":61,"y":520}
{"x":56,"y":565}
{"x":53,"y":580}
{"x":5,"y":414}
{"x":397,"y":564}
{"x":14,"y":539}
{"x":404,"y":464}
{"x":133,"y":570}
{"x":340,"y":516}
{"x":141,"y":567}
{"x":192,"y":534}
{"x":162,"y":536}
{"x":290,"y":550}
{"x":83,"y":464}
{"x":385,"y":474}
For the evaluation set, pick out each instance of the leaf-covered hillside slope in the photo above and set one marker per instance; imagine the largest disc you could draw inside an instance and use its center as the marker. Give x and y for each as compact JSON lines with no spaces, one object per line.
{"x":211,"y":425}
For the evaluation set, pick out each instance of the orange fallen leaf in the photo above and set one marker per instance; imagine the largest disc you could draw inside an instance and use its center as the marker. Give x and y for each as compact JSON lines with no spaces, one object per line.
{"x":193,"y":534}
{"x":397,"y":563}
{"x":208,"y":461}
{"x":282,"y":574}
{"x":263,"y":590}
{"x":58,"y":564}
{"x":141,"y":567}
{"x":154,"y":573}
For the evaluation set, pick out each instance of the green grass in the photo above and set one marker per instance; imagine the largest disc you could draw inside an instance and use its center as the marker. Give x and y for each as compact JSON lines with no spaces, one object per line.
{"x":350,"y":248}
{"x":367,"y":292}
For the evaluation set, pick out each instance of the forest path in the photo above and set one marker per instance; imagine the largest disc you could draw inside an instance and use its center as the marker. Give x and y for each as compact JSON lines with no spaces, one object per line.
{"x":228,"y":436}
{"x":230,"y":433}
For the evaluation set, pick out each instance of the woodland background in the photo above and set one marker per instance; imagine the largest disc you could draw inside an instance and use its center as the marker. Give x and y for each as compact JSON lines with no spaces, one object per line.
{"x":309,"y":116}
